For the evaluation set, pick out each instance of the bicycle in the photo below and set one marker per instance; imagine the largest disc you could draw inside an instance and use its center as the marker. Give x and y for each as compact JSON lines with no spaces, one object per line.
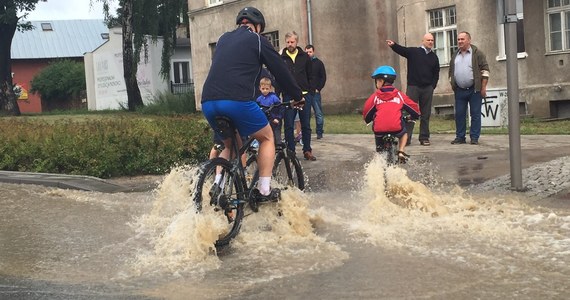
{"x":233,"y":191}
{"x":287,"y":169}
{"x":389,"y":145}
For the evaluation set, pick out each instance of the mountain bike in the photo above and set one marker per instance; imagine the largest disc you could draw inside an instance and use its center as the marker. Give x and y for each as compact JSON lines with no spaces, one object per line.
{"x":226,"y":187}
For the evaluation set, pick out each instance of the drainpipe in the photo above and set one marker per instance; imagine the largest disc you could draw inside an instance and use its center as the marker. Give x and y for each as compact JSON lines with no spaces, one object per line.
{"x":309,"y":22}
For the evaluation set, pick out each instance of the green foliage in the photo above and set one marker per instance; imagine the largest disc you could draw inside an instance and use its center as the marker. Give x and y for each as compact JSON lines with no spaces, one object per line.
{"x":170,"y":104}
{"x":104,"y":147}
{"x":61,"y":80}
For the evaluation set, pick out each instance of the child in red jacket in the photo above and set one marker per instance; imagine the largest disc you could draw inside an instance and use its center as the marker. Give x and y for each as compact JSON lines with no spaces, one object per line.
{"x":384,"y":108}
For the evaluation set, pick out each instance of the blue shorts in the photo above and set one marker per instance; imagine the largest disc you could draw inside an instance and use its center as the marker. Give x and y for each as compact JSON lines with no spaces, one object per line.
{"x":246,"y":116}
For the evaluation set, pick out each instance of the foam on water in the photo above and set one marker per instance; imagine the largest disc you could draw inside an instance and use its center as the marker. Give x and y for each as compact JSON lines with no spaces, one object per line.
{"x":490,"y":231}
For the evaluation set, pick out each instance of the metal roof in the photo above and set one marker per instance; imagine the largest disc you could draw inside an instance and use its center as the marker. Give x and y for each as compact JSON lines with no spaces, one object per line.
{"x":68,"y":38}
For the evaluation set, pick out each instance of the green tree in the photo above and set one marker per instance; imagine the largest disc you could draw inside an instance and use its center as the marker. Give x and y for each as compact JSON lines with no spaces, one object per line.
{"x":12,"y":14}
{"x":143,"y":21}
{"x":60,"y":81}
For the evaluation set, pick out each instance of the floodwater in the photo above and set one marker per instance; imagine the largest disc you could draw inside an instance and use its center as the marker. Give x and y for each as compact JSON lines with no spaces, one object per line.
{"x":423,"y":241}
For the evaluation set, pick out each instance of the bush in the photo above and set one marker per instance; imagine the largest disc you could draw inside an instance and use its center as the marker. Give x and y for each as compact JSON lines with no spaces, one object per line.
{"x":170,"y":104}
{"x":105,"y":147}
{"x":60,"y":81}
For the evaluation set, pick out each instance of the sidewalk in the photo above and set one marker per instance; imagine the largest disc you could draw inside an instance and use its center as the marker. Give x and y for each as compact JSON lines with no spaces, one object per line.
{"x":342,"y":157}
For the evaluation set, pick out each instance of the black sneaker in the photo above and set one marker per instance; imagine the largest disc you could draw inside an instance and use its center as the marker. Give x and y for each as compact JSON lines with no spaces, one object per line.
{"x":274,"y":195}
{"x":458,"y":141}
{"x":474,"y":142}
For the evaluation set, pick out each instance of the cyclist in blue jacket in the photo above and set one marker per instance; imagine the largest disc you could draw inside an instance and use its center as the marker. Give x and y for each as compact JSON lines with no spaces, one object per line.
{"x":232,"y":84}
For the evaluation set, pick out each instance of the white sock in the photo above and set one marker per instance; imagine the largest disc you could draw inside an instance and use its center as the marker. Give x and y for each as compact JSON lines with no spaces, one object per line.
{"x":264,"y":185}
{"x":218,"y":178}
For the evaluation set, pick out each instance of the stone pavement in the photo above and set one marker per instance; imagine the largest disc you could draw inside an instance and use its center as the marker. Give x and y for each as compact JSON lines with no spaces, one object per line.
{"x":341,"y":159}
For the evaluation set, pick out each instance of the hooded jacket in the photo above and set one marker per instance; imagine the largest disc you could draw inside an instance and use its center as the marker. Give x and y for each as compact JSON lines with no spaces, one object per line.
{"x":384,"y":109}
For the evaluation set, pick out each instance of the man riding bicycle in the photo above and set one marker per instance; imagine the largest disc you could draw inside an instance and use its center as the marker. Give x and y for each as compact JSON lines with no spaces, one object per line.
{"x":231,"y":86}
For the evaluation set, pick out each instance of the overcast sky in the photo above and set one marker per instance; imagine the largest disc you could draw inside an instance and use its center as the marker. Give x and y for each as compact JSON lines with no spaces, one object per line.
{"x":67,"y":10}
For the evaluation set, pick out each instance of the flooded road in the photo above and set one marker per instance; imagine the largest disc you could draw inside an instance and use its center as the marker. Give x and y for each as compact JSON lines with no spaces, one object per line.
{"x":388,"y":235}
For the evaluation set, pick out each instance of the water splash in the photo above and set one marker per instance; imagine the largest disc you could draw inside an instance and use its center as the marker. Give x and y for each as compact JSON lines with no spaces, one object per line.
{"x":181,"y":240}
{"x":400,"y":213}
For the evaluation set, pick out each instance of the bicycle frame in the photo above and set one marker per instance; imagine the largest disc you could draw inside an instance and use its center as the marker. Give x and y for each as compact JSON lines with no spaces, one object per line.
{"x":388,"y":144}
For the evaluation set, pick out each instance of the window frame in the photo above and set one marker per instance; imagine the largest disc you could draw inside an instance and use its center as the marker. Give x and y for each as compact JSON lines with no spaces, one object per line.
{"x":445,"y":29}
{"x":273,"y":38}
{"x":174,"y":70}
{"x":563,"y":10}
{"x":210,"y":3}
{"x":502,"y":48}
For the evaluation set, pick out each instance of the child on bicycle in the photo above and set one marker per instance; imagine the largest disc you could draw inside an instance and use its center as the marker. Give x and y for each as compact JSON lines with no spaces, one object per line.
{"x":274,"y":113}
{"x":384,"y":108}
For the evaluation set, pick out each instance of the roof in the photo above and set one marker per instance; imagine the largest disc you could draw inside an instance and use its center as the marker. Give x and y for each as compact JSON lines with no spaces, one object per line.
{"x":68,"y":38}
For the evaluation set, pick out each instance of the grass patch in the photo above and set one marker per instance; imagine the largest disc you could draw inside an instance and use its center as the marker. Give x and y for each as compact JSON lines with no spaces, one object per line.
{"x":353,"y":123}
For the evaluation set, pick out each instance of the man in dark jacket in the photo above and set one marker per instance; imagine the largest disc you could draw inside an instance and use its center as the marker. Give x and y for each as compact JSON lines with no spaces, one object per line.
{"x":231,"y":86}
{"x":300,"y":66}
{"x":317,"y":84}
{"x":423,"y":75}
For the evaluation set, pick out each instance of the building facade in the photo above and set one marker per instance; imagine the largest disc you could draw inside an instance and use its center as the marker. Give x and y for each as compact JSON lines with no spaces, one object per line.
{"x":47,"y":42}
{"x":349,"y":37}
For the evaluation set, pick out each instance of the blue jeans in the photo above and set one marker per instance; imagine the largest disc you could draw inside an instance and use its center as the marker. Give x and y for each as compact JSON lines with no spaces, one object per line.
{"x":319,"y":118}
{"x":304,"y":117}
{"x":463,"y":97}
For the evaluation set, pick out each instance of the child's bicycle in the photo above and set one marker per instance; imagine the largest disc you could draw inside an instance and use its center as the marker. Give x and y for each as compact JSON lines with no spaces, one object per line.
{"x":226,"y":187}
{"x":389,"y":146}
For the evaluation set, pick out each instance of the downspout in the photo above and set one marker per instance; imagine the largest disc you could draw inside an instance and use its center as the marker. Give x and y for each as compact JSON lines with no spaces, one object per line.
{"x":309,"y":22}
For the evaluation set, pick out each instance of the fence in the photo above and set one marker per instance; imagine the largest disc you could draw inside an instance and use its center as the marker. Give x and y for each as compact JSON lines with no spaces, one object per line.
{"x":181,"y":88}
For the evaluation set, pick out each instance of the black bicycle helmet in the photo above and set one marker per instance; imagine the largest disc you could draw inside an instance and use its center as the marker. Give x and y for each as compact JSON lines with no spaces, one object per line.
{"x":253,"y":15}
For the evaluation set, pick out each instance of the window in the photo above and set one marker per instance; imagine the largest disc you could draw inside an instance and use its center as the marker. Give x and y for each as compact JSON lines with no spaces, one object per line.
{"x":212,"y":47}
{"x":443,"y":26}
{"x":273,"y":38}
{"x":521,"y":51}
{"x":181,"y":71}
{"x":558,"y":22}
{"x":214,"y":2}
{"x":47,"y":27}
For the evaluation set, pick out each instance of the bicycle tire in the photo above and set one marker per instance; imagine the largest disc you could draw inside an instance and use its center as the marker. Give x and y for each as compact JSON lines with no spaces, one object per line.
{"x":287,"y":169}
{"x":225,"y":200}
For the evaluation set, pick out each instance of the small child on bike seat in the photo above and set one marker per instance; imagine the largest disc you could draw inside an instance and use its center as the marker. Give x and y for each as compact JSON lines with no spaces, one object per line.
{"x":274,"y":114}
{"x":384,"y":108}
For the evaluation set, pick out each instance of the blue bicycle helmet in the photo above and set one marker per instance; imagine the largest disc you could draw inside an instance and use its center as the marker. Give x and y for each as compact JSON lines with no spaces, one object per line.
{"x":385,"y":72}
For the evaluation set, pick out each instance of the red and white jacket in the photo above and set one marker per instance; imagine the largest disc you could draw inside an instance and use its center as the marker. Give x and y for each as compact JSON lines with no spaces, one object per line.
{"x":384,"y":108}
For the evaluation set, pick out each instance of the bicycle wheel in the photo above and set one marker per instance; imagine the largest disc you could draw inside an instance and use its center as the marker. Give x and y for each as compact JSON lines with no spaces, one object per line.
{"x":287,"y":169}
{"x":223,"y":196}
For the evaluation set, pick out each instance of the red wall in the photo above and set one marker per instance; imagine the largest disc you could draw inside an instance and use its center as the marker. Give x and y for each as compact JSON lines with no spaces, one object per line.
{"x":24,"y":71}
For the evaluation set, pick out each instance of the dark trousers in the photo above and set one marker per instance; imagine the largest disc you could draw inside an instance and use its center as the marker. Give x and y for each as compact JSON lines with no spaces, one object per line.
{"x":304,"y":117}
{"x":423,"y":96}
